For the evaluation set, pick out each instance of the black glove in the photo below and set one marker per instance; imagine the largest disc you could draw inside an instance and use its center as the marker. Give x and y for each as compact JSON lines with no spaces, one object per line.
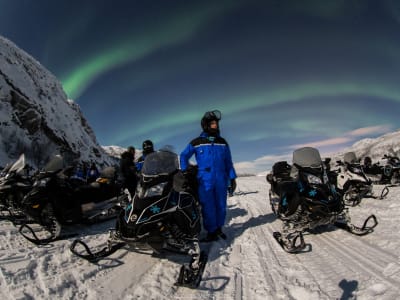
{"x":233,"y":185}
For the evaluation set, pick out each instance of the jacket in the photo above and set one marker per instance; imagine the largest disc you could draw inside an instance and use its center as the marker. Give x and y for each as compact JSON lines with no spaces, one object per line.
{"x":213,"y":158}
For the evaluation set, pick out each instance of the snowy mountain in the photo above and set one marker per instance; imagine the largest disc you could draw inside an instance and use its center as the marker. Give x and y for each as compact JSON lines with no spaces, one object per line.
{"x":36,"y":117}
{"x":116,"y":151}
{"x":375,"y":148}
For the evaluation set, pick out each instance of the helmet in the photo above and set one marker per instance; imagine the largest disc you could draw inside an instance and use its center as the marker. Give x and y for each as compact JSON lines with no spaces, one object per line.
{"x":131,"y":149}
{"x":367,"y":161}
{"x":209,"y":116}
{"x":147,"y":147}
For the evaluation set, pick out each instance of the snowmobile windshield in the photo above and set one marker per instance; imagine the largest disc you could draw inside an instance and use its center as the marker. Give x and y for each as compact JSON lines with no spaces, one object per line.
{"x":307,"y":157}
{"x":108,"y":172}
{"x":55,"y":164}
{"x":350,"y":158}
{"x":19,"y":165}
{"x":160,"y":163}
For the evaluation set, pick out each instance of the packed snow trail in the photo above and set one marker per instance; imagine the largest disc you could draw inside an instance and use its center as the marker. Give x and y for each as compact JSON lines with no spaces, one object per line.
{"x":248,"y":265}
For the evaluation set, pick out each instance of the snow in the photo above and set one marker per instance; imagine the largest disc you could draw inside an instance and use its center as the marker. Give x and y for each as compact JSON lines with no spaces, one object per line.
{"x":248,"y":265}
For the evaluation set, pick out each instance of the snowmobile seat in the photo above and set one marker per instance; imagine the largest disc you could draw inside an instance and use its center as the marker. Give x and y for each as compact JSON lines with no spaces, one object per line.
{"x":281,"y":169}
{"x":280,"y":178}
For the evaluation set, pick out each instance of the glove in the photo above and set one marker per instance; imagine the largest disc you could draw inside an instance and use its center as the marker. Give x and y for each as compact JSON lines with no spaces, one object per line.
{"x":233,"y":185}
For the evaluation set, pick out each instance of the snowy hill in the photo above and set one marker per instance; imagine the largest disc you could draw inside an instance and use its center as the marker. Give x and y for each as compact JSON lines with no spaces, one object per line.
{"x":36,"y":117}
{"x":374,"y":148}
{"x":116,"y":151}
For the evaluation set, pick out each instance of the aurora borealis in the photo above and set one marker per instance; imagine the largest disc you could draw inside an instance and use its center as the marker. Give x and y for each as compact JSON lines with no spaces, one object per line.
{"x":283,"y":73}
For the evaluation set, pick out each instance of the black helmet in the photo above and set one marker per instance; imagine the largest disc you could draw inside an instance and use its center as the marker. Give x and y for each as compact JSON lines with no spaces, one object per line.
{"x":367,"y":161}
{"x":209,"y":116}
{"x":131,"y":149}
{"x":147,"y":147}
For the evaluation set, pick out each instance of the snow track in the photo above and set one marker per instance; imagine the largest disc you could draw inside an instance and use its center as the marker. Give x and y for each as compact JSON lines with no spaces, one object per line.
{"x":248,"y":265}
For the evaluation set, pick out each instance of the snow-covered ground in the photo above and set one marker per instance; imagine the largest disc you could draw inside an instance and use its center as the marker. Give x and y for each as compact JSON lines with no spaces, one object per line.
{"x":248,"y":265}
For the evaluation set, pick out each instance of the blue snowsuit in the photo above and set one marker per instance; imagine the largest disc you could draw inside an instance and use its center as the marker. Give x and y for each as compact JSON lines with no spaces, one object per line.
{"x":215,"y":169}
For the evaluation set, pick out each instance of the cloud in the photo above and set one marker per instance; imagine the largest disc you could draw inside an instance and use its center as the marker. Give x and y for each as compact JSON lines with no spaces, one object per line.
{"x":323,"y":143}
{"x":370,"y":130}
{"x":261,"y":165}
{"x":347,"y":138}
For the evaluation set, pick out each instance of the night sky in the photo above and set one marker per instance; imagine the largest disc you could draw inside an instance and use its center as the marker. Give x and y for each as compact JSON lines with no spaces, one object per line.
{"x":284,"y":74}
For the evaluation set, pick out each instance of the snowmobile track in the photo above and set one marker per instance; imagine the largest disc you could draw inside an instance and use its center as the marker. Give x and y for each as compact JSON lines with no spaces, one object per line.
{"x":370,"y":262}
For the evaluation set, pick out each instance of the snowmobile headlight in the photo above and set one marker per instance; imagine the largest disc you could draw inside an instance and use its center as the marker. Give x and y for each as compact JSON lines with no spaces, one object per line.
{"x":313,"y":179}
{"x":155,"y":190}
{"x":133,"y":218}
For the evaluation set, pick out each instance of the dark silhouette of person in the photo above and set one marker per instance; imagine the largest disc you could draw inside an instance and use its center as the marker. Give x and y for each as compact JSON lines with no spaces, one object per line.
{"x":128,"y":170}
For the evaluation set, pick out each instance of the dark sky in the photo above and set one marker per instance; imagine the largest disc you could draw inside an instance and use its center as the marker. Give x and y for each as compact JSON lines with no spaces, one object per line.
{"x":283,"y":73}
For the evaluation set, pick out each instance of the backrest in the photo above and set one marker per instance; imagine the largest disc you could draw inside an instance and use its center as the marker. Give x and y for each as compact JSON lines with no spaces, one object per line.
{"x":281,"y":169}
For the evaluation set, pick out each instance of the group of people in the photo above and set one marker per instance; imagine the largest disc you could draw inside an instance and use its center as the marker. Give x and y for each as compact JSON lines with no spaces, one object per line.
{"x":129,"y":168}
{"x":87,"y":174}
{"x":216,"y":174}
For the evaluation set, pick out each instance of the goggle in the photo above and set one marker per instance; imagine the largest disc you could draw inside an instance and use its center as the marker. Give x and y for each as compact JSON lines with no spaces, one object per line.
{"x":213,"y":115}
{"x":146,"y":147}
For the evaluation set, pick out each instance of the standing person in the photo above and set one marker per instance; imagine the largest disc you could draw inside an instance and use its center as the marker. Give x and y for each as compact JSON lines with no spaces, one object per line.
{"x":215,"y":169}
{"x":128,"y":170}
{"x":148,"y":147}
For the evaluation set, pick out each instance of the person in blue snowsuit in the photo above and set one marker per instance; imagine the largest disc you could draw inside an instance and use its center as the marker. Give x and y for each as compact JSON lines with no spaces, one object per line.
{"x":215,"y":170}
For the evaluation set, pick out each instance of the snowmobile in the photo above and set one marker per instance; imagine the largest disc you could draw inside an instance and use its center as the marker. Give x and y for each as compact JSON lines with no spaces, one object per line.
{"x":375,"y":172}
{"x":352,"y":182}
{"x":302,"y":197}
{"x":57,"y":200}
{"x":14,"y":184}
{"x":163,"y":216}
{"x":392,"y":168}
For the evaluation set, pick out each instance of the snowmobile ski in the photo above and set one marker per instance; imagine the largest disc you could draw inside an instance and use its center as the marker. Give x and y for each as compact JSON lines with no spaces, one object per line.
{"x":189,"y":277}
{"x":291,"y":245}
{"x":384,"y":193}
{"x":54,"y":236}
{"x":365,"y":229}
{"x":95,"y":256}
{"x":242,"y":193}
{"x":13,"y":217}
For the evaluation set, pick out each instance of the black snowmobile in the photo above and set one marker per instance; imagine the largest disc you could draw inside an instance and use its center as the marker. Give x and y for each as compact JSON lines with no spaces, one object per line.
{"x":389,"y":173}
{"x":302,"y":196}
{"x":57,"y":199}
{"x":375,"y":172}
{"x":392,"y":168}
{"x":15,"y":183}
{"x":163,"y":216}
